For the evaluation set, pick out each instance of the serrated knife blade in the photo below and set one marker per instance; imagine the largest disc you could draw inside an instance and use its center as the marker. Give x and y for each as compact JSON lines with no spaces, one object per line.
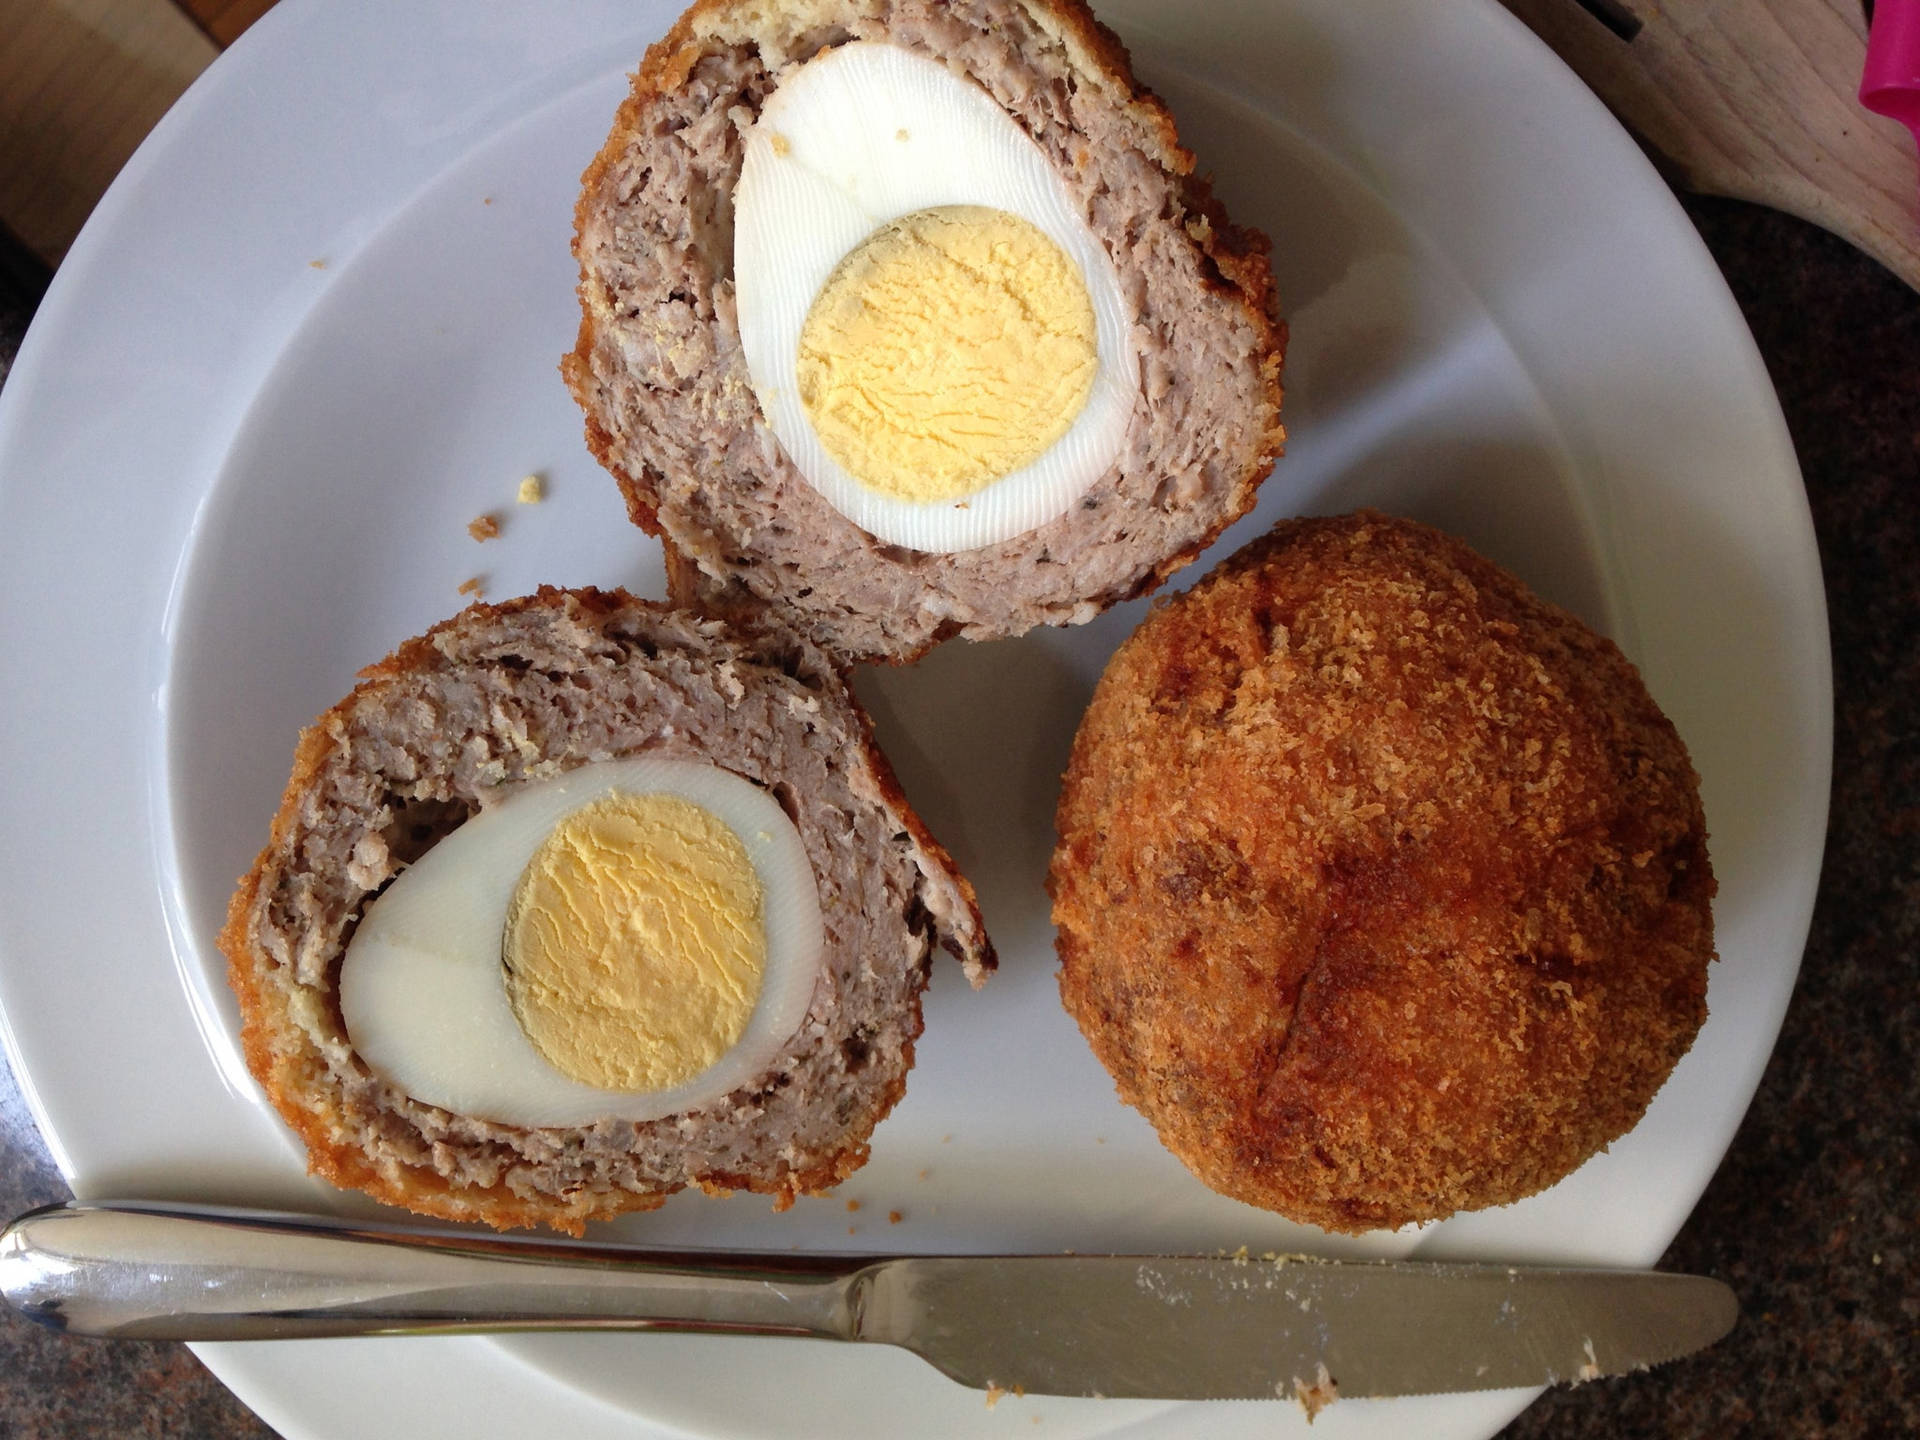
{"x":1198,"y":1327}
{"x":1163,"y":1327}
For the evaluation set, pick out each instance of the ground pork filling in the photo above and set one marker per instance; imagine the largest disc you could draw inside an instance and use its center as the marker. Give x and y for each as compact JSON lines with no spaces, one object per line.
{"x":537,"y":693}
{"x":672,"y":412}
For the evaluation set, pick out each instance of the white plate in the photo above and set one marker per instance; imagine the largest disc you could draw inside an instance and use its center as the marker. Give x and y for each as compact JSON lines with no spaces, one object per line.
{"x":312,"y":331}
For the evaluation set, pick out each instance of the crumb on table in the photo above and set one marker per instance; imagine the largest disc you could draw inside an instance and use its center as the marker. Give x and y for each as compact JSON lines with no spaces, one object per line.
{"x":852,"y":1205}
{"x":474,"y":585}
{"x":532,"y":490}
{"x":485,"y":527}
{"x":894,"y":1217}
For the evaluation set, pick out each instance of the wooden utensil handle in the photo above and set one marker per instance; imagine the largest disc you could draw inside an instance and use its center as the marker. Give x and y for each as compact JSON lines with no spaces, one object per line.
{"x":1754,"y":99}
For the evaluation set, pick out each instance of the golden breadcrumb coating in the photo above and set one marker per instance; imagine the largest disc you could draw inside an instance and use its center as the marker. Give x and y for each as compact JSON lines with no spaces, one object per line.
{"x":1382,"y":884}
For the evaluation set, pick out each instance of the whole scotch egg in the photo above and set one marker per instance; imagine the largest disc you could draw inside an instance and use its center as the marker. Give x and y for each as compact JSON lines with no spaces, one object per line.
{"x":578,"y":900}
{"x":908,"y":319}
{"x":1382,"y":885}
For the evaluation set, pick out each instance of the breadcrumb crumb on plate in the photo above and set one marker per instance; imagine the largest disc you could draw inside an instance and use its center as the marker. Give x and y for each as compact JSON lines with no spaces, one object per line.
{"x":1428,"y":920}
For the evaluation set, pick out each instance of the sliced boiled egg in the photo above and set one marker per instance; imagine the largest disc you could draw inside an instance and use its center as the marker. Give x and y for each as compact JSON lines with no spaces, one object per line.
{"x":632,"y":939}
{"x":935,"y":337}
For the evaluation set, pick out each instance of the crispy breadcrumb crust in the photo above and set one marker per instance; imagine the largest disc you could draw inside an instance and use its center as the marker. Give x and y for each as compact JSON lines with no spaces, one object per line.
{"x":305,"y":1089}
{"x":1382,"y":885}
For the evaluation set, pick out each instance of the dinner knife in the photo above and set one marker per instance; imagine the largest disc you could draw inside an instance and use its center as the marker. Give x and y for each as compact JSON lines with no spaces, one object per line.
{"x":1147,"y":1326}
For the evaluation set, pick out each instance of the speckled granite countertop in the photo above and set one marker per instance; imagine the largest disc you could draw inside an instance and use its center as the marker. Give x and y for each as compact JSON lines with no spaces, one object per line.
{"x":1812,"y":1217}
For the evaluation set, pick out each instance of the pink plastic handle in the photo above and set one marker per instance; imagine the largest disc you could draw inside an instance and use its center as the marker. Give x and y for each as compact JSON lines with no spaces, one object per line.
{"x":1890,"y":84}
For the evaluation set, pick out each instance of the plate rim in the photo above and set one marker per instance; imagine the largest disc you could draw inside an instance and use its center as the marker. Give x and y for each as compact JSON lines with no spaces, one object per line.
{"x":119,"y":210}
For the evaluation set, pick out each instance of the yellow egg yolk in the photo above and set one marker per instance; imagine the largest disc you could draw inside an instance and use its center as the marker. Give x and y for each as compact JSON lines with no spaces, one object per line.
{"x":950,"y":348}
{"x":635,"y":945}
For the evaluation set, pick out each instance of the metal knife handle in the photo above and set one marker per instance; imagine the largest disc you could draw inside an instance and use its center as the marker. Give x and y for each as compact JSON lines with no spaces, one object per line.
{"x":200,"y":1273}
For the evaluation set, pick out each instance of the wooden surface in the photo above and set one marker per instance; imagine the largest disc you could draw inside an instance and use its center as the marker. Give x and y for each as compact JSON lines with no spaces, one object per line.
{"x":81,"y":84}
{"x":224,"y":20}
{"x":1754,"y":99}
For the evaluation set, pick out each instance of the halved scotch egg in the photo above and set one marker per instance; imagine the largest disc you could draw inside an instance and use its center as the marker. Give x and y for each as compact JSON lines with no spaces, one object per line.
{"x":576,"y":901}
{"x":908,"y":319}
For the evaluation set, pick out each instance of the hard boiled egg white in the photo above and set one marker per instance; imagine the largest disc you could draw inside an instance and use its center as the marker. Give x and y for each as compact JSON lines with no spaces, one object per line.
{"x":859,"y":137}
{"x":425,"y":997}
